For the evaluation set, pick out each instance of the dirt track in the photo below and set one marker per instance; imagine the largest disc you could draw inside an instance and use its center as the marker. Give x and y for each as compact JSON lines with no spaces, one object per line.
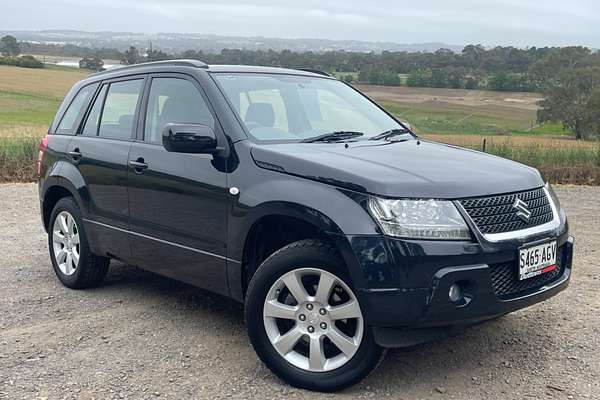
{"x":144,"y":336}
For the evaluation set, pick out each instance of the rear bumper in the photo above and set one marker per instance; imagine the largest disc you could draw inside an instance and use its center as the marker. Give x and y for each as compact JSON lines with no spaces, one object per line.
{"x":405,"y":285}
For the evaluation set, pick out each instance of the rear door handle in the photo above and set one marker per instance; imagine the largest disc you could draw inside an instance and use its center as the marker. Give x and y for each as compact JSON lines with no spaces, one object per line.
{"x":138,"y":165}
{"x":75,"y":154}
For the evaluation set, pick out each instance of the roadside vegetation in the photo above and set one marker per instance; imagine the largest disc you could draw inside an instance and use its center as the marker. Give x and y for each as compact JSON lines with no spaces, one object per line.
{"x":559,"y":160}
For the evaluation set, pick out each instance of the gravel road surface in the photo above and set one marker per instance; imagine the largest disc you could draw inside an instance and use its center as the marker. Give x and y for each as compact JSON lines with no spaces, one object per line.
{"x":141,"y":336}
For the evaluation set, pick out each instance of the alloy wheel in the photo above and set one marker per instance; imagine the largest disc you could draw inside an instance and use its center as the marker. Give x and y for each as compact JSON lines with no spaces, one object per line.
{"x":313,"y":319}
{"x":65,"y":243}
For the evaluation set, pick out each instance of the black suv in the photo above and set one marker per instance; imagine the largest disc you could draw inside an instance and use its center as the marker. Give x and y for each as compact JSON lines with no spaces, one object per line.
{"x":341,"y":231}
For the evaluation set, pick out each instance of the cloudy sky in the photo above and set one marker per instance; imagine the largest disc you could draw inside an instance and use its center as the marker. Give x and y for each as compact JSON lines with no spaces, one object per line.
{"x":491,"y":22}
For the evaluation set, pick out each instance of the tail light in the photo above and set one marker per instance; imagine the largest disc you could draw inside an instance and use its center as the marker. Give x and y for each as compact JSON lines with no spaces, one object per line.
{"x":41,"y":152}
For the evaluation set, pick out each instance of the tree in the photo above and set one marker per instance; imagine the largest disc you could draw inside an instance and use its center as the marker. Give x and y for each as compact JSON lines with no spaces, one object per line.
{"x":363,"y":76}
{"x":348,"y":78}
{"x":544,"y":72}
{"x":93,"y":63}
{"x":418,"y":79}
{"x":156,"y":55}
{"x":390,"y":78}
{"x":472,"y":55}
{"x":438,"y":79}
{"x":131,"y":56}
{"x":499,"y":81}
{"x":471,"y":83}
{"x":574,"y":101}
{"x":9,"y":46}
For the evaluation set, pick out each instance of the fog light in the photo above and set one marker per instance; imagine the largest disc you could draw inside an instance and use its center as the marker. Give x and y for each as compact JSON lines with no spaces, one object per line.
{"x":455,"y":293}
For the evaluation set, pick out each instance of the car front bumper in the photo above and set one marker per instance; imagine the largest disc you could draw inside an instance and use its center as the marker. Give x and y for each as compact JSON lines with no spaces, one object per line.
{"x":404,"y":285}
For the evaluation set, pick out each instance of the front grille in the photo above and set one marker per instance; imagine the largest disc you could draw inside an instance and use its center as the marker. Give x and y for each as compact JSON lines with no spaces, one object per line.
{"x":506,"y":283}
{"x":496,"y":214}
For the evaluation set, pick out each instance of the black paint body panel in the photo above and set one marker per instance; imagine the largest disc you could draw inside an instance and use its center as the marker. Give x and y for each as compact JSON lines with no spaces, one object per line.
{"x":180,"y":198}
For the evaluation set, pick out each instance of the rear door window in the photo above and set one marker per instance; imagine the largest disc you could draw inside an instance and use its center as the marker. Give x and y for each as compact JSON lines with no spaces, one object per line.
{"x":69,"y":122}
{"x":118,"y":114}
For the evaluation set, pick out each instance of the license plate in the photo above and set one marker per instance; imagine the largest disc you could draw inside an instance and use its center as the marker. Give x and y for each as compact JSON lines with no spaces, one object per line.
{"x":537,"y":260}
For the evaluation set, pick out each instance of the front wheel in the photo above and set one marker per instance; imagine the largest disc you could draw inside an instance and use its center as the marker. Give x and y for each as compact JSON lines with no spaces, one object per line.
{"x":306,"y":323}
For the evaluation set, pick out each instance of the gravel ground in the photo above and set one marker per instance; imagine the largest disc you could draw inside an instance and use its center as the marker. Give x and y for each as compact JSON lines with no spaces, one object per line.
{"x":144,"y":336}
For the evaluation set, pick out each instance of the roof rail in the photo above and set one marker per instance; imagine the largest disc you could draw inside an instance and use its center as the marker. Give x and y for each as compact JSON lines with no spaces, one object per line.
{"x":178,"y":63}
{"x":314,"y":71}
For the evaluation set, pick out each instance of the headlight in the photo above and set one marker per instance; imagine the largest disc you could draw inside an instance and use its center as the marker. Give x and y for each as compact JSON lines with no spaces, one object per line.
{"x":419,"y":219}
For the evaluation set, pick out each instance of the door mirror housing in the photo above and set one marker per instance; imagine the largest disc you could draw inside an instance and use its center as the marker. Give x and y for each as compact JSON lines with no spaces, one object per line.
{"x":189,"y":138}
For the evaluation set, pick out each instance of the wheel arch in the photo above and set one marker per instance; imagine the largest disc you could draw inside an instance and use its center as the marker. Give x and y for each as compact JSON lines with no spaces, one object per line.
{"x":66,"y":182}
{"x":282,"y":223}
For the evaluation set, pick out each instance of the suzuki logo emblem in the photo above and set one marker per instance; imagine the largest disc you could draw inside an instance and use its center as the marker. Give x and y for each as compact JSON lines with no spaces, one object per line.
{"x":522,"y":210}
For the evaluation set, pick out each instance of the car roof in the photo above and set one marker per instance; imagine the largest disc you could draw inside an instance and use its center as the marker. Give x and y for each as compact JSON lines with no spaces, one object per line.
{"x":175,"y":65}
{"x":263,"y":70}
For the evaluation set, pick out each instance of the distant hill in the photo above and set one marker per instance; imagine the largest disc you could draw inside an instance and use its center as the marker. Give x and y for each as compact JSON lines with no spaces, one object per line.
{"x":177,"y":42}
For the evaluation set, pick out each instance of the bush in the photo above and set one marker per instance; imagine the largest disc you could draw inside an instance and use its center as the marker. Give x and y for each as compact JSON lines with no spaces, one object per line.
{"x":30,"y":62}
{"x":379,"y":77}
{"x":23,"y":61}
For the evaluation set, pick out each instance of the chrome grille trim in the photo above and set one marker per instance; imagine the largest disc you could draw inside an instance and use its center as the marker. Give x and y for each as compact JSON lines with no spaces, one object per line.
{"x":521,"y":233}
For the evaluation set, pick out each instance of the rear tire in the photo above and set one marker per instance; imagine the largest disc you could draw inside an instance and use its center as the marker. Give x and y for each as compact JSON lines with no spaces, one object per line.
{"x":318,"y":357}
{"x":73,"y":262}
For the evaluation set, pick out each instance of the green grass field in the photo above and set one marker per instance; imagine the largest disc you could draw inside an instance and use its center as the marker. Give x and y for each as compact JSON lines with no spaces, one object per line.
{"x":431,"y":118}
{"x":29,"y":99}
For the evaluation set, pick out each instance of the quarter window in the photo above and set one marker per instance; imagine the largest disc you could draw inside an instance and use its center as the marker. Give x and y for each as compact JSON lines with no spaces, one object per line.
{"x":68,"y":124}
{"x":91,"y":124}
{"x":117,"y":118}
{"x":174,"y":100}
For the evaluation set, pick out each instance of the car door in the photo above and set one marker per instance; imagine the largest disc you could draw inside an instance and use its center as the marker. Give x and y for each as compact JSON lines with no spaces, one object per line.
{"x":178,"y":202}
{"x":100,"y":154}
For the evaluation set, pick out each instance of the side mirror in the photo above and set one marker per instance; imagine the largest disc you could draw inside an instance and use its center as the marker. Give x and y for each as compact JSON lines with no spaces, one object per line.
{"x":189,"y":138}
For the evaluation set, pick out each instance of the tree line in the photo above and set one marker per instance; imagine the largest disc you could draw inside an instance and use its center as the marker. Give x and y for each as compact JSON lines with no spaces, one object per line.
{"x":499,"y":68}
{"x":568,"y":77}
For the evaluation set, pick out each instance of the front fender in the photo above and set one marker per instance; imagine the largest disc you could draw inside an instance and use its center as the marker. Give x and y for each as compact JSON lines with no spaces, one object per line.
{"x":331,"y":209}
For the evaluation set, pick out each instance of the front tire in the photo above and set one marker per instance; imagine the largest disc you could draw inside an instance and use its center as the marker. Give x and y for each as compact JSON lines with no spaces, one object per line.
{"x":305,"y":322}
{"x":73,"y":262}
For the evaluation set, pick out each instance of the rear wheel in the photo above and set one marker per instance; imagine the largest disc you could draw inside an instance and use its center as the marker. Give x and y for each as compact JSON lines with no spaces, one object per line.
{"x":73,"y":262}
{"x":306,"y":323}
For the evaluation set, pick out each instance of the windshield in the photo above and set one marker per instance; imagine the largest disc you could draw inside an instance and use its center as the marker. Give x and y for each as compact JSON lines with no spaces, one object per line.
{"x":294,"y":108}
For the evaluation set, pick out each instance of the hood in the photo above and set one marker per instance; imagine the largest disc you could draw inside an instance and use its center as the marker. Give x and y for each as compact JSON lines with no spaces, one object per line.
{"x":400,"y":169}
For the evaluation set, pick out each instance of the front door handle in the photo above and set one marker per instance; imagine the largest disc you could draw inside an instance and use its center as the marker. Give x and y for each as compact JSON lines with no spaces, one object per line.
{"x":138,"y":165}
{"x":75,"y":154}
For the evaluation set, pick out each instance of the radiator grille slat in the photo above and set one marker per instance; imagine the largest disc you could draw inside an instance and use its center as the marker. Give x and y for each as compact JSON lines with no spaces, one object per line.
{"x":496,"y":214}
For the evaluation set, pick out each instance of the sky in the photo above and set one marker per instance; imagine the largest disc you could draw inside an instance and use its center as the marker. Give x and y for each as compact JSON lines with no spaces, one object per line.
{"x":519,"y":23}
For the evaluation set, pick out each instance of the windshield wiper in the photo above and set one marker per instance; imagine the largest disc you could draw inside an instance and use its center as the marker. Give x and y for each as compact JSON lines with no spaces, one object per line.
{"x":390,"y":133}
{"x":334,"y":136}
